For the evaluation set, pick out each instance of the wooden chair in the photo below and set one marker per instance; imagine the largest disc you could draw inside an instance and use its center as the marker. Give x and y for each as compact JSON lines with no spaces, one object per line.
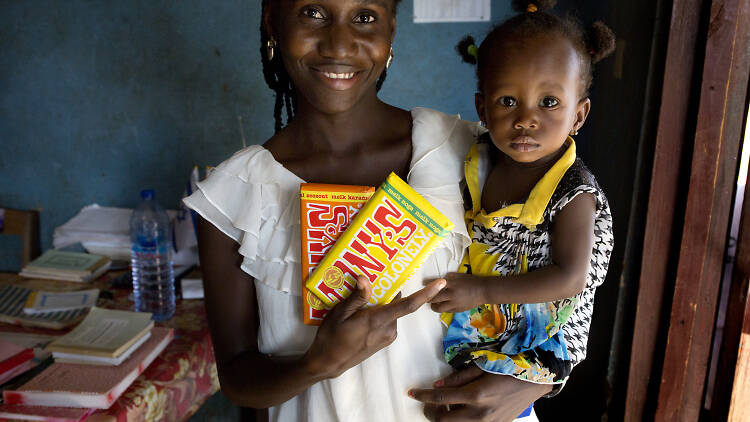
{"x":23,"y":223}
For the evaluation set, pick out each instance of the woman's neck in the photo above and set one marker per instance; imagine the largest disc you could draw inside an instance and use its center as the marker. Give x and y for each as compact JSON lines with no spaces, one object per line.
{"x":358,"y":147}
{"x":340,"y":133}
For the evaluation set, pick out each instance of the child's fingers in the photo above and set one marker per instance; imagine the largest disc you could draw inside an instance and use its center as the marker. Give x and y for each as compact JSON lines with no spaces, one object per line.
{"x":444,"y":307}
{"x":427,"y":281}
{"x":443,"y":296}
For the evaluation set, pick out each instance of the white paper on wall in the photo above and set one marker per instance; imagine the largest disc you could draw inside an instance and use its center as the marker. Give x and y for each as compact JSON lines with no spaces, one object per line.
{"x":451,"y":10}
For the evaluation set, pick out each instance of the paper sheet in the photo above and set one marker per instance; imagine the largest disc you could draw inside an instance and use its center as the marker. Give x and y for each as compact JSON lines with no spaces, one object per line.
{"x":426,"y":11}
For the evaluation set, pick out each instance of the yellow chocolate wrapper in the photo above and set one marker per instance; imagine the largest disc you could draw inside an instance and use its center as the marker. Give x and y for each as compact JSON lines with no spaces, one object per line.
{"x":387,"y":241}
{"x":325,"y":212}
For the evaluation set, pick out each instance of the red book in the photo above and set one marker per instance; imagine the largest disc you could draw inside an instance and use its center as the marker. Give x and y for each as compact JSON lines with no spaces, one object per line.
{"x":13,"y":355}
{"x":46,"y":414}
{"x":88,"y":386}
{"x":18,"y":370}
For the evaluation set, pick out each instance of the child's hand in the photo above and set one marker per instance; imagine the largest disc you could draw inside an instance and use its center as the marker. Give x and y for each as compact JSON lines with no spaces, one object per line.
{"x":461,"y":292}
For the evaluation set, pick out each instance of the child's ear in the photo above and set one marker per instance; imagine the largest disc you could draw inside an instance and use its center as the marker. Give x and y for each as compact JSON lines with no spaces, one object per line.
{"x":479,"y":104}
{"x":582,"y":111}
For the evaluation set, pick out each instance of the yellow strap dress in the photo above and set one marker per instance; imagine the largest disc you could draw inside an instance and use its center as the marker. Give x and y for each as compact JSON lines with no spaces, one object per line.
{"x":538,"y":342}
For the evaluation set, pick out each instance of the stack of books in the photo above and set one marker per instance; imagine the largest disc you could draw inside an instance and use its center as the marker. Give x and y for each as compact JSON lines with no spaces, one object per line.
{"x":94,"y":363}
{"x":67,"y":266}
{"x":105,"y":337}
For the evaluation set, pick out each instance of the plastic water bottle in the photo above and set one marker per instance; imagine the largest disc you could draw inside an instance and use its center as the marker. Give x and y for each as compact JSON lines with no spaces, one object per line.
{"x":151,"y":258}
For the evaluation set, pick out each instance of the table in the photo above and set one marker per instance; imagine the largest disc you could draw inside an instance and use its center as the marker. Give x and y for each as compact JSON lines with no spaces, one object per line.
{"x":176,"y":384}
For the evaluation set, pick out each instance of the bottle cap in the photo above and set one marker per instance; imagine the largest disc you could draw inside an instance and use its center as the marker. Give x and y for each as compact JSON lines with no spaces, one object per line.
{"x":147,"y":194}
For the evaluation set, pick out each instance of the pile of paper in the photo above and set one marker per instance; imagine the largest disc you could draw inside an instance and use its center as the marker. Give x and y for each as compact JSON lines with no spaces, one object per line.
{"x":106,"y":231}
{"x":101,"y":230}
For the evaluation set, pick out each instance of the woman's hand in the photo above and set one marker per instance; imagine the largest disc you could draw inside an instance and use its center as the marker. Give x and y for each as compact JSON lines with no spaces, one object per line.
{"x":461,"y":292}
{"x":474,"y":395}
{"x":350,"y":333}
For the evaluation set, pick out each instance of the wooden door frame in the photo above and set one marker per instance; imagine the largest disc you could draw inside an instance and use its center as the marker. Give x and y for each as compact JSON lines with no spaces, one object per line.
{"x":716,"y":140}
{"x":734,"y":356}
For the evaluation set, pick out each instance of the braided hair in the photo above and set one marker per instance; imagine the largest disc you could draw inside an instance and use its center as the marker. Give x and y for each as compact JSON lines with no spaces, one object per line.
{"x":278,"y":79}
{"x":592,"y":44}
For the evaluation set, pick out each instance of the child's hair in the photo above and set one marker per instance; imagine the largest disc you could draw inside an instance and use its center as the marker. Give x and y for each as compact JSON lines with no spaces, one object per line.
{"x":279,"y":81}
{"x":592,"y":44}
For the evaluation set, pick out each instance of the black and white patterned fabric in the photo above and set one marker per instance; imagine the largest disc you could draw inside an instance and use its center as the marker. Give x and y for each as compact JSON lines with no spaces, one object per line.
{"x":507,"y":234}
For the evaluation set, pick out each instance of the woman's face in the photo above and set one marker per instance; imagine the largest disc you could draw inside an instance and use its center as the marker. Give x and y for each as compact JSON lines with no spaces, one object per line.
{"x":334,"y":50}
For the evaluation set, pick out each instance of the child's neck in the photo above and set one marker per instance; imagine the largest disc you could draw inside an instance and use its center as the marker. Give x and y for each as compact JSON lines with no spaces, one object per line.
{"x":511,"y":182}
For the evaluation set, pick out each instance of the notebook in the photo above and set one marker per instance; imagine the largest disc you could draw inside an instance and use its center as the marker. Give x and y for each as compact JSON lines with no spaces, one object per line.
{"x":12,"y":301}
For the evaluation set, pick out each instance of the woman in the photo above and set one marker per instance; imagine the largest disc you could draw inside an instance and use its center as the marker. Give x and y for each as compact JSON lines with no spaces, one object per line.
{"x":326,"y":59}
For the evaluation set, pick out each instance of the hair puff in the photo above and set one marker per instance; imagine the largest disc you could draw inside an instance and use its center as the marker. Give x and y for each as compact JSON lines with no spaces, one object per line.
{"x":600,"y":41}
{"x":463,"y":47}
{"x":541,"y":5}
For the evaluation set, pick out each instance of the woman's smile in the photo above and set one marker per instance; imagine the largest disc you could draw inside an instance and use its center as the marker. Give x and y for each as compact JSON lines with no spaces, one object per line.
{"x":338,"y":78}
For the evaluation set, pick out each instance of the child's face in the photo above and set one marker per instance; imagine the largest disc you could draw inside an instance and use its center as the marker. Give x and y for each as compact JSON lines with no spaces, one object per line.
{"x":530,"y":100}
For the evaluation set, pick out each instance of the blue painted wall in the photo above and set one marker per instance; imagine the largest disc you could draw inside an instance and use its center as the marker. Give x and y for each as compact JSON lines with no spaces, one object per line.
{"x":99,"y":99}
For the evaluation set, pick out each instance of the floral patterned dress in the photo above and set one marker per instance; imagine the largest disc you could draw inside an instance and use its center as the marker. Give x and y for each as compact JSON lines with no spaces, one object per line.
{"x":537,"y":342}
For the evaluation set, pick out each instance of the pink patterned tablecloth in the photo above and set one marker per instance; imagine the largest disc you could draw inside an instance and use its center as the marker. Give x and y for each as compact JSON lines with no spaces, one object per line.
{"x":177,"y":383}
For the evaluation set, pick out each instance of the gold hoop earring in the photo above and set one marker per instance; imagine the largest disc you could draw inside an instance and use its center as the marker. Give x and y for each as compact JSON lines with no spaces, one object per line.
{"x":270,"y":45}
{"x":390,"y":59}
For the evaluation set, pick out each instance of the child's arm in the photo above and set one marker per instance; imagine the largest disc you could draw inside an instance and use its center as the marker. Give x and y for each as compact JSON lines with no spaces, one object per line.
{"x":571,"y":242}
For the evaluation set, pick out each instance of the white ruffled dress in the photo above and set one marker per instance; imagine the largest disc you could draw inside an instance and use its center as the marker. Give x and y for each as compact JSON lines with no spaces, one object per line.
{"x":255,"y":200}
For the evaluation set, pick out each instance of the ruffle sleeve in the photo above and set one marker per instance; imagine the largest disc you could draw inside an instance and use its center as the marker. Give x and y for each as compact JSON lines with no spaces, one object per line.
{"x":440,"y":142}
{"x":253,"y":199}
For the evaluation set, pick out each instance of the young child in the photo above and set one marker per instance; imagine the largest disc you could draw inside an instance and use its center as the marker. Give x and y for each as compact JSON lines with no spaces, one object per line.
{"x":540,"y":225}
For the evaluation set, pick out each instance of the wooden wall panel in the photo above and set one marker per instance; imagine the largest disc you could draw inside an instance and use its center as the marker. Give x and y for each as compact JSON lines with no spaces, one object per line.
{"x":717,"y":139}
{"x":670,"y":137}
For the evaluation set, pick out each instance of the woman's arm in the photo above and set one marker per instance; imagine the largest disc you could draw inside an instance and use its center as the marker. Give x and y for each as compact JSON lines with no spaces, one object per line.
{"x":250,"y":378}
{"x":571,"y":241}
{"x":247,"y":377}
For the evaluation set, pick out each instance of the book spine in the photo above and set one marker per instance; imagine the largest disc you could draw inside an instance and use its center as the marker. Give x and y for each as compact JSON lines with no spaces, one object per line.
{"x":56,"y":399}
{"x":387,"y":241}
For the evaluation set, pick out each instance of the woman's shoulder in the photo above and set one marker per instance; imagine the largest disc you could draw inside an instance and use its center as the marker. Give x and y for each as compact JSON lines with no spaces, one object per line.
{"x":441,"y":141}
{"x":254,"y":164}
{"x":435,"y":127}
